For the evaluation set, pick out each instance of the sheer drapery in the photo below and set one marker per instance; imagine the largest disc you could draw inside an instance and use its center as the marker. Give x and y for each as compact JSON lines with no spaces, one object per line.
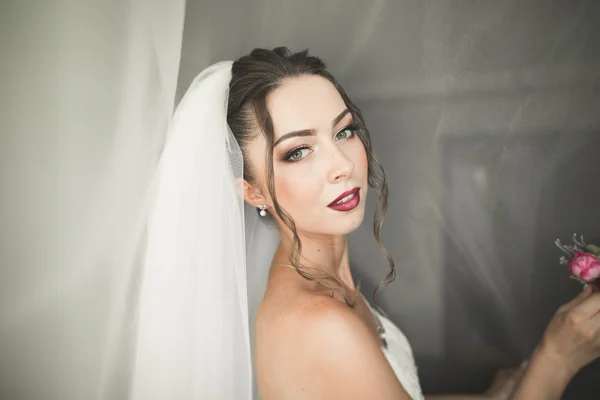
{"x":88,"y":91}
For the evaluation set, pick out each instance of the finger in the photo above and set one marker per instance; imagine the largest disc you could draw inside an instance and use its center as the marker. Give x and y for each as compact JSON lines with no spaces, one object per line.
{"x":589,"y":307}
{"x":520,"y":372}
{"x":514,"y":373}
{"x":585,"y":293}
{"x":595,"y":321}
{"x":508,"y":373}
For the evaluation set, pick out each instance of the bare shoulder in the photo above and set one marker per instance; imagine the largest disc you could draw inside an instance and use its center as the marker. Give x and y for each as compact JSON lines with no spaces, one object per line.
{"x":281,"y":318}
{"x":306,"y":317}
{"x":317,"y":347}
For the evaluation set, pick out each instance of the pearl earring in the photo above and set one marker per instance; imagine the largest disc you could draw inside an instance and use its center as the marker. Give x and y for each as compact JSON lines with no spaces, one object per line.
{"x":263,"y":210}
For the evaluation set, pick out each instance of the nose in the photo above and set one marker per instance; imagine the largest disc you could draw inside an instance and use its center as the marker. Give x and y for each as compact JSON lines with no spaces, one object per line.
{"x":341,"y":166}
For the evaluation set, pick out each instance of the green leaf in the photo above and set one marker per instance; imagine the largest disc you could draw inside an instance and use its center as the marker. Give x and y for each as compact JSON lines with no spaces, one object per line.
{"x":592,"y":249}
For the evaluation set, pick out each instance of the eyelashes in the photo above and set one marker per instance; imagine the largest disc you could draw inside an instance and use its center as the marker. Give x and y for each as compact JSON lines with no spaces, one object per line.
{"x":351,"y":129}
{"x":300,"y":152}
{"x":296,"y":153}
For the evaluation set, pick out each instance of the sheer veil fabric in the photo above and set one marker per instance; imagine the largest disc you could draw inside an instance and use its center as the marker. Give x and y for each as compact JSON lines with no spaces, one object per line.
{"x":200,"y":289}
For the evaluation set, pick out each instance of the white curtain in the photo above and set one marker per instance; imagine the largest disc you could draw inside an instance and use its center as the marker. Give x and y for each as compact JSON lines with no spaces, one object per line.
{"x":87,"y":90}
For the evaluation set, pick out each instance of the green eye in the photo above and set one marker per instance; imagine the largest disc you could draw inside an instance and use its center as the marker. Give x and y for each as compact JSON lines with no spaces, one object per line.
{"x":297,"y":154}
{"x":346,"y":133}
{"x":343,"y":134}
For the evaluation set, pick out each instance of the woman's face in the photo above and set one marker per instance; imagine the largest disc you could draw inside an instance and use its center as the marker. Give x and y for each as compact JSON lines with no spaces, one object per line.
{"x":318,"y":158}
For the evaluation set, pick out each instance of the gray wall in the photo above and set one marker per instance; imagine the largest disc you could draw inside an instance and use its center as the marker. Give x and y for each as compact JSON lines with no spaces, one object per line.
{"x":485,"y":115}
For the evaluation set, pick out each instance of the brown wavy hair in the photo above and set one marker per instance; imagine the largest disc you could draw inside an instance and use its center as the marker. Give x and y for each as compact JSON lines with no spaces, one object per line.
{"x":254,"y":77}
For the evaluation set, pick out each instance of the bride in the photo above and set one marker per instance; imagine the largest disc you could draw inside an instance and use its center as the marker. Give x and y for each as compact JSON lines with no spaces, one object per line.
{"x":276,"y":128}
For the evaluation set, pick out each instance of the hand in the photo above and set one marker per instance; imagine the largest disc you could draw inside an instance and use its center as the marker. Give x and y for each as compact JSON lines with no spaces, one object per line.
{"x":572,"y":339}
{"x":504,"y":383}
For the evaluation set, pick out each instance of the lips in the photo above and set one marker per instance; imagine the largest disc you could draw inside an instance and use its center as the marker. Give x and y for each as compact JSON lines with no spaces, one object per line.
{"x":347,"y":200}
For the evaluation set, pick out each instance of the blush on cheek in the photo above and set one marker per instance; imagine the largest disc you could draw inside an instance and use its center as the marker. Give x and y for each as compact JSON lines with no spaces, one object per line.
{"x":298,"y":194}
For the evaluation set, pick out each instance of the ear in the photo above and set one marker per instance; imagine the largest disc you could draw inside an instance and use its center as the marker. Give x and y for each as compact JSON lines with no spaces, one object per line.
{"x":253,"y":196}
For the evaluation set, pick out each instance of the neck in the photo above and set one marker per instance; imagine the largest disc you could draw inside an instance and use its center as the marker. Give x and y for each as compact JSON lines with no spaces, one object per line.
{"x":326,"y":253}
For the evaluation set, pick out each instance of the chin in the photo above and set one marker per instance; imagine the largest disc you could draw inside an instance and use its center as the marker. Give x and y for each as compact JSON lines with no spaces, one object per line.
{"x":347,"y":222}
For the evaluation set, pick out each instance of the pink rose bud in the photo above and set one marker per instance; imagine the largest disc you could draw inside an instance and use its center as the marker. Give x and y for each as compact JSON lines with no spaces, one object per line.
{"x":585,"y":266}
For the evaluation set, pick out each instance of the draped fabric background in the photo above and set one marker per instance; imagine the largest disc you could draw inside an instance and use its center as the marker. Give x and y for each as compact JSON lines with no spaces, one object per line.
{"x":485,"y":115}
{"x":87,"y":91}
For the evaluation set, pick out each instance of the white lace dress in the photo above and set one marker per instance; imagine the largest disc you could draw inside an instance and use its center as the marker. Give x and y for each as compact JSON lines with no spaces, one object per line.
{"x":399,"y":354}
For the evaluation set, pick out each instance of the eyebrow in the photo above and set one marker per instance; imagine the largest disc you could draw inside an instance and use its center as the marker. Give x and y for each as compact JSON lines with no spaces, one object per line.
{"x":310,"y":132}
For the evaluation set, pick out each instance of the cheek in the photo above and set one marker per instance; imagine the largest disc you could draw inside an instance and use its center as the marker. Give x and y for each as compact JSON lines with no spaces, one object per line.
{"x":297,"y":191}
{"x":361,"y":164}
{"x":296,"y":188}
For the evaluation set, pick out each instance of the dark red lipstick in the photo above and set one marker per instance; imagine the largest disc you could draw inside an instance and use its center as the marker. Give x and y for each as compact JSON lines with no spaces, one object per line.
{"x":346,"y":201}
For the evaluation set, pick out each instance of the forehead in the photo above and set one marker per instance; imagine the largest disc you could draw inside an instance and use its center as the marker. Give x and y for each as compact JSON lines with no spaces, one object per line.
{"x":304,"y":102}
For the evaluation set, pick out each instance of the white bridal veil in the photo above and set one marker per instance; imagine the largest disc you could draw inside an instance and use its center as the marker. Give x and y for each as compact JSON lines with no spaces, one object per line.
{"x":193,"y":326}
{"x":193,"y":337}
{"x":150,"y":300}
